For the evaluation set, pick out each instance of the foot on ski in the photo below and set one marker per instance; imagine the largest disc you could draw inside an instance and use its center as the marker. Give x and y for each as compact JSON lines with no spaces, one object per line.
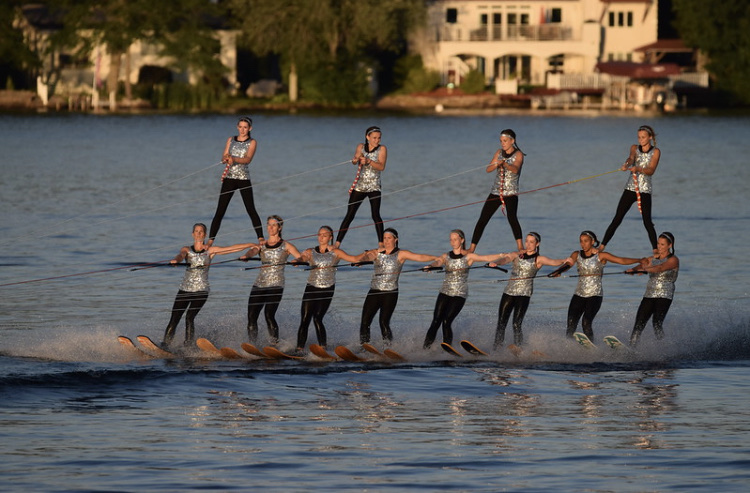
{"x":613,"y":342}
{"x":450,"y":350}
{"x":371,"y":349}
{"x":515,"y":349}
{"x":472,"y":349}
{"x":154,"y":349}
{"x":583,"y":340}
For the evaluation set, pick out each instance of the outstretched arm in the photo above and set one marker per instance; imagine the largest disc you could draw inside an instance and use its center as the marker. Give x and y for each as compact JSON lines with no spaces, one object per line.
{"x":608,"y":257}
{"x":180,"y":256}
{"x":219,"y":250}
{"x":404,"y":255}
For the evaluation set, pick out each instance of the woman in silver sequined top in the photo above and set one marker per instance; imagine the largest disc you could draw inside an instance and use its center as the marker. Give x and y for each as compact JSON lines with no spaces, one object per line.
{"x":239,"y":151}
{"x":193,"y":291}
{"x":268,"y":287}
{"x":506,"y":164}
{"x":370,"y":158}
{"x":641,"y":164}
{"x":455,"y":288}
{"x":520,"y":287}
{"x":662,"y":269}
{"x":589,"y":294}
{"x":321,"y":284}
{"x":383,"y":293}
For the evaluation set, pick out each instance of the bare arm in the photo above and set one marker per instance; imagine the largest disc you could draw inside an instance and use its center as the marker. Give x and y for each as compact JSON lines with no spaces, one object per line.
{"x":542,"y":260}
{"x":608,"y":257}
{"x":180,"y":256}
{"x":219,"y":250}
{"x":494,"y":162}
{"x":248,"y":156}
{"x":292,"y":250}
{"x":495,"y":258}
{"x":404,"y":255}
{"x":671,"y":263}
{"x":382,"y":157}
{"x":251,"y":252}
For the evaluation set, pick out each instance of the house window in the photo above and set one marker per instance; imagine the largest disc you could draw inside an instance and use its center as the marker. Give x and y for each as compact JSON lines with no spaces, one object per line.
{"x":483,"y":19}
{"x":451,"y":16}
{"x":621,"y":19}
{"x":497,"y":19}
{"x":555,"y":15}
{"x":630,"y":19}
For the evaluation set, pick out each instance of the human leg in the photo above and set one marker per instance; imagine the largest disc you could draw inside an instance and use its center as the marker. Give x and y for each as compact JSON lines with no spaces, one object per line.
{"x":181,"y":302}
{"x":273,"y":299}
{"x":511,"y":209}
{"x":455,"y":304}
{"x":491,"y":205}
{"x":592,"y":308}
{"x":323,"y":300}
{"x":197,"y":300}
{"x":647,"y":222}
{"x":626,"y":200}
{"x":228,"y":186}
{"x":522,"y":304}
{"x":438,"y":315}
{"x":507,"y":302}
{"x":246,"y":191}
{"x":387,"y":307}
{"x":355,"y":200}
{"x":375,"y":211}
{"x":369,"y":309}
{"x":575,"y":312}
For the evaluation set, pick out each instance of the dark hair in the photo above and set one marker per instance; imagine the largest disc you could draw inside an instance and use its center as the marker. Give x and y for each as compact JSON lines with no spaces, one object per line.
{"x":370,"y":130}
{"x":330,"y":230}
{"x":278,"y":220}
{"x":591,"y":235}
{"x":537,"y":237}
{"x":391,"y":231}
{"x":460,"y":234}
{"x":246,"y":119}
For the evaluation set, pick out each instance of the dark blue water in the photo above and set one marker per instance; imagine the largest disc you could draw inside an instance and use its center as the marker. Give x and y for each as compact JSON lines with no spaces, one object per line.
{"x":85,"y":198}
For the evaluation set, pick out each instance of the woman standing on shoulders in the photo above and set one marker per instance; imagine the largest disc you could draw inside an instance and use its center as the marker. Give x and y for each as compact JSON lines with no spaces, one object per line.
{"x":641,"y":163}
{"x":238,"y":153}
{"x":383,"y":294}
{"x":507,"y":163}
{"x":321,"y":285}
{"x":589,"y":294}
{"x":370,"y":158}
{"x":193,"y":291}
{"x":520,"y":287}
{"x":269,"y":285}
{"x":455,"y":288}
{"x":662,"y":271}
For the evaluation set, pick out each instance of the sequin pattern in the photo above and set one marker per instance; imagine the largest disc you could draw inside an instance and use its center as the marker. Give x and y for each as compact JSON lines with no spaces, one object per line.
{"x":456,"y":280}
{"x":369,"y":177}
{"x":273,"y":261}
{"x":642,"y":160}
{"x":509,"y":184}
{"x":590,"y":269}
{"x":323,"y":275}
{"x":196,"y":273}
{"x":239,"y":149}
{"x":522,"y":277}
{"x":386,"y":270}
{"x":661,"y":284}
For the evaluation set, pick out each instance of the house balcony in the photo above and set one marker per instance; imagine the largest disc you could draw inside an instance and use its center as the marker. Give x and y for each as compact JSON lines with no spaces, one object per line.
{"x":539,"y":32}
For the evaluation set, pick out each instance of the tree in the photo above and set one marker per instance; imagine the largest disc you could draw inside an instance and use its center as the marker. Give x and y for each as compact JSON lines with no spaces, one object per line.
{"x":721,"y":30}
{"x":327,"y":38}
{"x":15,"y":56}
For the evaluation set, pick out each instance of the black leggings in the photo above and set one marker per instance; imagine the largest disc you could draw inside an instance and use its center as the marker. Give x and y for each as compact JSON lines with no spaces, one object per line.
{"x":385,"y":301}
{"x":586,"y":307}
{"x":656,"y":307}
{"x":447,"y":309}
{"x":491,"y":205}
{"x":228,"y":187}
{"x":627,"y":199}
{"x":518,"y":305}
{"x":190,"y":301}
{"x":260,"y":298}
{"x":355,"y":200}
{"x":315,"y":303}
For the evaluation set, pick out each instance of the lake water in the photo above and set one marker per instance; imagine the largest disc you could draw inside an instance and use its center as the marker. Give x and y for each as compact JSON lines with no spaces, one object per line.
{"x":86,"y":198}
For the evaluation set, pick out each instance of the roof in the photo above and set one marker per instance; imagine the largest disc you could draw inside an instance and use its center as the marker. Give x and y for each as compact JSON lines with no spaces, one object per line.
{"x":639,"y":70}
{"x":665,"y":46}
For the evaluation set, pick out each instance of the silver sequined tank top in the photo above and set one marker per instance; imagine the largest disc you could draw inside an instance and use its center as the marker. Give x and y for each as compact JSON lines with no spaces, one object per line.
{"x":369,"y":177}
{"x":196,"y":273}
{"x":642,"y":160}
{"x":661,"y":284}
{"x":273,"y":261}
{"x":456,"y":280}
{"x":506,"y":181}
{"x":387,"y":268}
{"x":590,"y":269}
{"x":323,"y":273}
{"x":522,"y":277}
{"x":239,"y":149}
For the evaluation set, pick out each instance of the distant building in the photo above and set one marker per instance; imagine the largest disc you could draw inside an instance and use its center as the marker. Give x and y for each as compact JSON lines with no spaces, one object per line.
{"x":522,"y":41}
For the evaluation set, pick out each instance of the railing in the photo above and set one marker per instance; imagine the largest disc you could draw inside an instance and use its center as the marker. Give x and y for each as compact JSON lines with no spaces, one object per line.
{"x":541,"y":32}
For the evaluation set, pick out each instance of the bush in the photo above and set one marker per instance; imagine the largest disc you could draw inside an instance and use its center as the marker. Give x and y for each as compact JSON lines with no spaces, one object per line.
{"x":473,"y":82}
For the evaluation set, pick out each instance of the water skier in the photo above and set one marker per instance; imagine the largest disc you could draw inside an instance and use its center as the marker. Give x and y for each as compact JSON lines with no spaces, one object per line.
{"x":193,"y":291}
{"x":506,"y":162}
{"x":662,"y":270}
{"x":641,"y":163}
{"x":455,"y":287}
{"x":268,"y":288}
{"x":370,"y":158}
{"x":238,"y":153}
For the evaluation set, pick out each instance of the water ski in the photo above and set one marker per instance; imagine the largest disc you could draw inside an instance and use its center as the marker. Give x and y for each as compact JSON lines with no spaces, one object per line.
{"x":390,"y":353}
{"x":515,"y":349}
{"x":613,"y":342}
{"x":251,"y":349}
{"x":132,"y":348}
{"x":472,"y":349}
{"x":321,"y":352}
{"x":274,"y":353}
{"x":346,"y":354}
{"x":371,"y":349}
{"x":450,"y":350}
{"x":230,"y":353}
{"x":583,"y":340}
{"x":208,"y":348}
{"x":152,"y":348}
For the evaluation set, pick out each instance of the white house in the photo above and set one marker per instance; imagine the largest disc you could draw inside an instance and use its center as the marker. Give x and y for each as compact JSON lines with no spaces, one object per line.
{"x":521,"y":41}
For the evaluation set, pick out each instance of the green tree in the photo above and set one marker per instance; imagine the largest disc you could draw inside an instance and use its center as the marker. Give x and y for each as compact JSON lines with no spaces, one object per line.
{"x":15,"y":55}
{"x":312,"y":37}
{"x":721,"y":30}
